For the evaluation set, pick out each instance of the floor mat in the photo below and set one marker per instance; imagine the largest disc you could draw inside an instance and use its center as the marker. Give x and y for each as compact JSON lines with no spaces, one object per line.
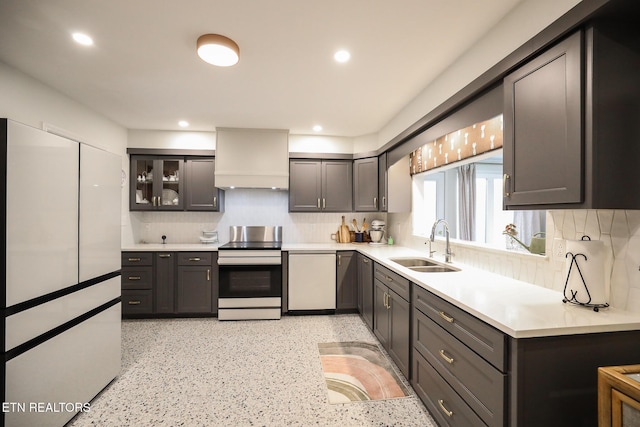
{"x":358,"y":371}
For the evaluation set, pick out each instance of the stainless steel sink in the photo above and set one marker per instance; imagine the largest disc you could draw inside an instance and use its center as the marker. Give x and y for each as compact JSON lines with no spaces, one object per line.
{"x":424,"y":265}
{"x":434,"y":268}
{"x":414,"y":262}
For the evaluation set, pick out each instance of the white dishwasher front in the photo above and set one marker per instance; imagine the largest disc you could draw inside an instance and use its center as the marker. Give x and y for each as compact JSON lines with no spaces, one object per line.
{"x":312,"y":280}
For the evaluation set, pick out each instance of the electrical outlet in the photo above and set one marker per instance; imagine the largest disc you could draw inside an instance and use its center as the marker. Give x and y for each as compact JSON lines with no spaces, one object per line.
{"x":559,"y":246}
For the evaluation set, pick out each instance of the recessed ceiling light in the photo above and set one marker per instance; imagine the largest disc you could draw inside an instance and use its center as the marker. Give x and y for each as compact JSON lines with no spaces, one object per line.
{"x":183,"y":123}
{"x":317,"y":128}
{"x":218,"y":50}
{"x":342,"y":56}
{"x":82,"y":39}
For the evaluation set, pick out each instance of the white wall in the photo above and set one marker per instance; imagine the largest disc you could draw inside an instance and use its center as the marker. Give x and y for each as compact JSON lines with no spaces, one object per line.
{"x":28,"y":101}
{"x":523,"y":22}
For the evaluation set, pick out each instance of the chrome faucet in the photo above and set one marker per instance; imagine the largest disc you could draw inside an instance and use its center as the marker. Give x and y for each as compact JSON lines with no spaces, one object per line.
{"x":448,"y":254}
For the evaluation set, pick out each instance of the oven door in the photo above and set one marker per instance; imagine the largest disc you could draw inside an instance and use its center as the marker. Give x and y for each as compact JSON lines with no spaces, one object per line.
{"x":250,"y":281}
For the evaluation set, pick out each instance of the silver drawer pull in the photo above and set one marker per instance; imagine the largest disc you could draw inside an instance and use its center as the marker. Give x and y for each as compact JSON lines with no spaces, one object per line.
{"x":446,"y":317}
{"x":134,"y":302}
{"x":447,"y":412}
{"x":194,"y":259}
{"x":134,"y":260}
{"x":165,"y":255}
{"x":447,"y":359}
{"x":389,"y":279}
{"x":366,"y":261}
{"x":135,"y":278}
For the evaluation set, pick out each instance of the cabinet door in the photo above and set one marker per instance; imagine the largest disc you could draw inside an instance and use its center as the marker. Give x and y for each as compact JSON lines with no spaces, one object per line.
{"x":365,"y":284}
{"x":201,"y":192}
{"x":543,"y":148}
{"x":194,"y":289}
{"x":156,"y":183}
{"x":305,"y":185}
{"x":347,"y":278}
{"x":383,"y":183}
{"x":337,"y":193}
{"x":365,"y":184}
{"x":399,"y":326}
{"x":164,"y":282}
{"x":381,"y":313}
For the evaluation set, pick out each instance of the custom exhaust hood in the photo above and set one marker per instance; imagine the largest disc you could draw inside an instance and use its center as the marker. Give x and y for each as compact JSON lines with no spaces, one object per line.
{"x":252,"y":158}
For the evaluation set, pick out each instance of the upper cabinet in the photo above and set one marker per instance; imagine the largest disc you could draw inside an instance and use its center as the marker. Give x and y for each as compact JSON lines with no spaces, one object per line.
{"x":156,"y":183}
{"x":201,"y":192}
{"x":320,"y":185}
{"x":365,"y":184}
{"x":168,"y":183}
{"x":570,"y":123}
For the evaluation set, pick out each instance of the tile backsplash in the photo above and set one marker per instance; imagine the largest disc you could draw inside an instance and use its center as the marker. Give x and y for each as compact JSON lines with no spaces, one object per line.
{"x":242,"y":207}
{"x":618,"y":229}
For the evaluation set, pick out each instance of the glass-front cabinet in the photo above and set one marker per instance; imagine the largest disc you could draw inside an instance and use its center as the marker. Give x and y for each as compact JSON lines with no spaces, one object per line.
{"x":156,"y":183}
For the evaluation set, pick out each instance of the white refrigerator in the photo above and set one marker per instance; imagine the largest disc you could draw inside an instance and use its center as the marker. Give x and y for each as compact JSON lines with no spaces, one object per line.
{"x":61,"y":298}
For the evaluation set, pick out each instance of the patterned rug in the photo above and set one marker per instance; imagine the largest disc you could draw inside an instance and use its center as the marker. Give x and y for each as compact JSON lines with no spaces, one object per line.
{"x":358,"y":371}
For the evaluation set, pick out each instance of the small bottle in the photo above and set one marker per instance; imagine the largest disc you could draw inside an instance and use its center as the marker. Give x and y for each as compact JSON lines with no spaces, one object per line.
{"x":390,"y":241}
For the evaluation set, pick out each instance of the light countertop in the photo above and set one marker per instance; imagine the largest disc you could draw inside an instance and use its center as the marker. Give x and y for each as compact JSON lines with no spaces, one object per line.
{"x":519,"y":309}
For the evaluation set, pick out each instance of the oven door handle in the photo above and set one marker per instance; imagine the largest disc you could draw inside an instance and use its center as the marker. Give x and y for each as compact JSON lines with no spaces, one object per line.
{"x":249,"y":261}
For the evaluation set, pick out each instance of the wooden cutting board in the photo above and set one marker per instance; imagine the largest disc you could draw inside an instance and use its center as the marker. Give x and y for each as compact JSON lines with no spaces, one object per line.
{"x":345,"y":235}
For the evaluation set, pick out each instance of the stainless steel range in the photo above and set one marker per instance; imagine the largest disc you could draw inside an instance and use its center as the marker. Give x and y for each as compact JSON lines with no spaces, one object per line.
{"x":250,"y":274}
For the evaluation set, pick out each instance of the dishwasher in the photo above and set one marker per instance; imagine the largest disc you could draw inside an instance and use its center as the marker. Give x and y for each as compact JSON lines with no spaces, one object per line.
{"x":312,"y":280}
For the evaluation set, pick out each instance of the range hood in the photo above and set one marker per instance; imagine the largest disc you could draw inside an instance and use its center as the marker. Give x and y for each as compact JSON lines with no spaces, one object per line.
{"x":252,"y":158}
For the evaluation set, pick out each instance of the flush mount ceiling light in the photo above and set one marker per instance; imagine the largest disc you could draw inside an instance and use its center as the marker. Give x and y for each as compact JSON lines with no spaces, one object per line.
{"x":82,"y":39}
{"x":218,"y":50}
{"x":183,"y":123}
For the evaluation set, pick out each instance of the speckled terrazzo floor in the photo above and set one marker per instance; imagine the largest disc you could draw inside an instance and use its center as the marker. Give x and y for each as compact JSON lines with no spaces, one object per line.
{"x":203,"y":372}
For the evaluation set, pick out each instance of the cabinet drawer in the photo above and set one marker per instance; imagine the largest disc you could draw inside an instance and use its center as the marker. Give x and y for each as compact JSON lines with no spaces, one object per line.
{"x":194,"y":258}
{"x":394,"y":281}
{"x":481,"y":385}
{"x":137,"y":302}
{"x":137,"y":258}
{"x":444,"y":404}
{"x":137,"y":278}
{"x":484,"y":339}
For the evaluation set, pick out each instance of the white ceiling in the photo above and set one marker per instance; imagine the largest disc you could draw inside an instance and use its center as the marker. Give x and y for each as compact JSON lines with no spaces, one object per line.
{"x":143,"y":72}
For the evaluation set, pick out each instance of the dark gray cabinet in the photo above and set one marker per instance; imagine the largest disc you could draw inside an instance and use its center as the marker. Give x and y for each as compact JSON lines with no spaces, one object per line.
{"x":169,"y":283}
{"x":164,"y":289}
{"x":569,"y":117}
{"x":383,"y":183}
{"x":365,"y":289}
{"x":137,"y":283}
{"x":201,"y":191}
{"x":392,"y":314}
{"x":365,"y":184}
{"x":156,"y":183}
{"x":347,"y":282}
{"x":194,"y":284}
{"x":320,"y":185}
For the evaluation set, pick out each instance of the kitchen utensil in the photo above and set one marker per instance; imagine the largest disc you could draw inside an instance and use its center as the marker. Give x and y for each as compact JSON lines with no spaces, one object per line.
{"x":364,"y":224}
{"x":345,"y":236}
{"x":336,"y":236}
{"x":355,"y":225}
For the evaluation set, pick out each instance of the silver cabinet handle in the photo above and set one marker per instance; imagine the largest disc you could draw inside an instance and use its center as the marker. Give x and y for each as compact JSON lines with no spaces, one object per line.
{"x":365,"y":260}
{"x":505,"y":177}
{"x":318,"y":203}
{"x":134,"y":302}
{"x":208,"y":275}
{"x":447,"y":412}
{"x":215,"y":202}
{"x":134,"y":278}
{"x":339,"y":260}
{"x":447,"y":359}
{"x":375,"y":202}
{"x":134,"y":260}
{"x":194,"y":259}
{"x":446,"y":317}
{"x":324,"y":203}
{"x":384,"y":202}
{"x":165,"y":255}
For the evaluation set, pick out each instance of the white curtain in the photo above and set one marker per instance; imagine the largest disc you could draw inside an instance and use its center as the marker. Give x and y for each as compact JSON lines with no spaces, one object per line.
{"x":529,"y":223}
{"x":467,"y":201}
